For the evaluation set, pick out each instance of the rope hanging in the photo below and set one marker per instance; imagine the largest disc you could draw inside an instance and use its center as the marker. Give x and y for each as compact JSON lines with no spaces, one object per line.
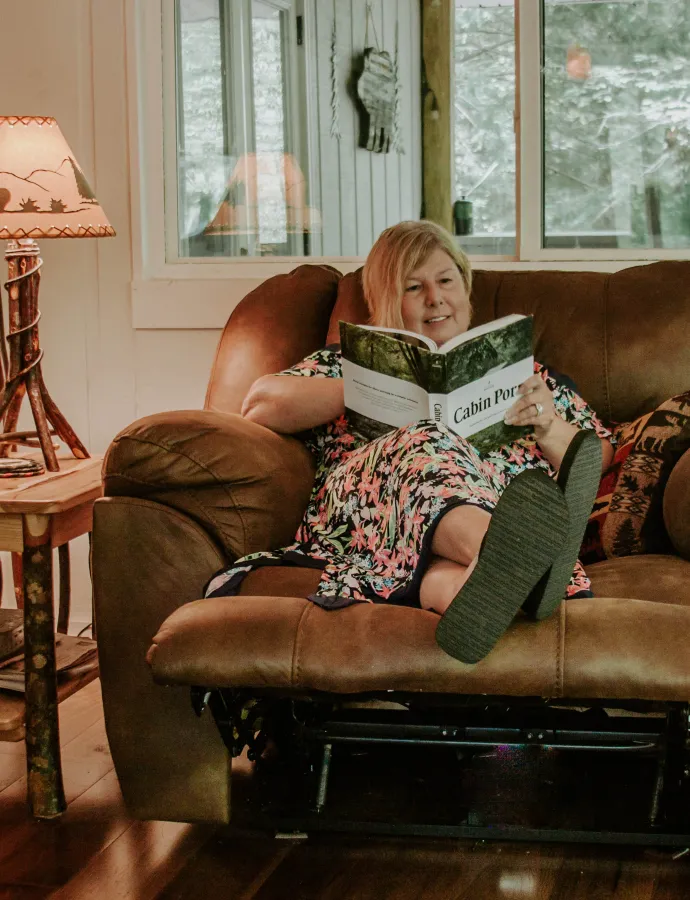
{"x":370,"y":18}
{"x":335,"y":96}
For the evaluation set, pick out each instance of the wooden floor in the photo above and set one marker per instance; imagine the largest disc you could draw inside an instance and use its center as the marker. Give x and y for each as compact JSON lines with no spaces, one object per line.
{"x":96,"y":851}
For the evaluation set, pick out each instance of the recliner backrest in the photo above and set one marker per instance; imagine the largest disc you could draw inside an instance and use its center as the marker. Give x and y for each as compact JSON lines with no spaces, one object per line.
{"x":623,"y":337}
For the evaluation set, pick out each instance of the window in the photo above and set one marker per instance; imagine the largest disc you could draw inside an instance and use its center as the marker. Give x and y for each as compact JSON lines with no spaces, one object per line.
{"x":483,"y":121}
{"x":616,"y":101}
{"x":257,"y":154}
{"x":266,"y":134}
{"x":242,"y":188}
{"x":604,"y":90}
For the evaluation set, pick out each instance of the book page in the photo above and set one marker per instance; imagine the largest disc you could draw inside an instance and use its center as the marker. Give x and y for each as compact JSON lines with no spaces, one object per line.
{"x":69,"y":651}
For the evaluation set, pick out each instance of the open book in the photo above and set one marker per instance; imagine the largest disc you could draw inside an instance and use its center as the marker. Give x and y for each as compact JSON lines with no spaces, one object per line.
{"x":393,"y":378}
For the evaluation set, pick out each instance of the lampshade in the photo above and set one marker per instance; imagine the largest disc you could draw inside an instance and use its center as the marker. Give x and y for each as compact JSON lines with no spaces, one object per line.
{"x":43,"y":192}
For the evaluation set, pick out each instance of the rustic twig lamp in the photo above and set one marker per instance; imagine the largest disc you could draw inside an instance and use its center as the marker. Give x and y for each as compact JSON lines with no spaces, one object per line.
{"x":43,"y":194}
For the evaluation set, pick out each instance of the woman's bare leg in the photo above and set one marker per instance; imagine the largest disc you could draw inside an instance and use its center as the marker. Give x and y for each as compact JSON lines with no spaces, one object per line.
{"x":460,"y":533}
{"x":441,"y":582}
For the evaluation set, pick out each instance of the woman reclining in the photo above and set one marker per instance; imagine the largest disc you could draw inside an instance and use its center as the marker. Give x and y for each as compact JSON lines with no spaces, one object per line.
{"x":418,"y":516}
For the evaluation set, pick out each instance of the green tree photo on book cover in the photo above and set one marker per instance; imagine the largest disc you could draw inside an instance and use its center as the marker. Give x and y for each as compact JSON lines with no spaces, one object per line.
{"x":386,"y":354}
{"x":486,"y":364}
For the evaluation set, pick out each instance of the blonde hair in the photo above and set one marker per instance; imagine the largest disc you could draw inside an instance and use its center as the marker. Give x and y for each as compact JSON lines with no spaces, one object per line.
{"x":398,"y":251}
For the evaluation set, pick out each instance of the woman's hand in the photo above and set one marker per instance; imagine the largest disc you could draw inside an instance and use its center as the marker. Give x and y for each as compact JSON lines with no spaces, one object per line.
{"x":535,"y":407}
{"x":553,"y":434}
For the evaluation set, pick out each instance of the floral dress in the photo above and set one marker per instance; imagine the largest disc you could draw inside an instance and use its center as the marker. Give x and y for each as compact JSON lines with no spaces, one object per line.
{"x":375,"y":505}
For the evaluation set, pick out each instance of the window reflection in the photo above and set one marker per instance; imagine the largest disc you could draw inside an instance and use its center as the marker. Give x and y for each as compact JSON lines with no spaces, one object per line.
{"x":261,"y":182}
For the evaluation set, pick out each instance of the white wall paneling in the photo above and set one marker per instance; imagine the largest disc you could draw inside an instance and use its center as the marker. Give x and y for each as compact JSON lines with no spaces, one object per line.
{"x":363,"y":192}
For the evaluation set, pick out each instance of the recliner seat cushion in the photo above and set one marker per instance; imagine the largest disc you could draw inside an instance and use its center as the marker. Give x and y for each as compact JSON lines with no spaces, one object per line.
{"x":617,"y":649}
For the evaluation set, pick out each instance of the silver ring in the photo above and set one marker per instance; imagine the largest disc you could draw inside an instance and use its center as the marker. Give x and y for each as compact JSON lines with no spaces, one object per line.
{"x":539,"y":408}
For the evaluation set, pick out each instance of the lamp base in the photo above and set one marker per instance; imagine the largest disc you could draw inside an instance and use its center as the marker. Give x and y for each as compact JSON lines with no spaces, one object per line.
{"x":21,"y":368}
{"x":18,"y":467}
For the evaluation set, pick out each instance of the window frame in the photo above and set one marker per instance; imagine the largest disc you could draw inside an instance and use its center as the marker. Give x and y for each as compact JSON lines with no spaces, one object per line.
{"x":161,"y":289}
{"x":153,"y":151}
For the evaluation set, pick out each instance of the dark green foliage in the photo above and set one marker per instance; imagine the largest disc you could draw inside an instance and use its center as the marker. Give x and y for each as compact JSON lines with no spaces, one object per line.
{"x":476,"y":357}
{"x":497,"y":436}
{"x":384,"y":353}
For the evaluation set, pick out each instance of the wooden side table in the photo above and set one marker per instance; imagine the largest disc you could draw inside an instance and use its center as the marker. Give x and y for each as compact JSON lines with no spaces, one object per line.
{"x":38,"y":514}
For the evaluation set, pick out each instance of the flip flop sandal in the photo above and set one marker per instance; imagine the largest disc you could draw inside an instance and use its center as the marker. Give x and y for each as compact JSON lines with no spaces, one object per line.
{"x":526,"y":533}
{"x":578,"y":478}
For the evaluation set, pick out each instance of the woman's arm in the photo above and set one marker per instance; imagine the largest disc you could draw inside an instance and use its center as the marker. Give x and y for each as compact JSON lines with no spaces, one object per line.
{"x":289,"y":404}
{"x":553,"y":434}
{"x":555,"y":438}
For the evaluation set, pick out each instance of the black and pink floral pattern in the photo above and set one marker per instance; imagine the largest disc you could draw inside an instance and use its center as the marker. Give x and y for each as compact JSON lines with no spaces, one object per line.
{"x":374,"y":505}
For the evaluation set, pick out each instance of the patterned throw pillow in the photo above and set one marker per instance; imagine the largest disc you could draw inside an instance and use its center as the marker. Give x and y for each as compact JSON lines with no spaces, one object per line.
{"x":627,"y":517}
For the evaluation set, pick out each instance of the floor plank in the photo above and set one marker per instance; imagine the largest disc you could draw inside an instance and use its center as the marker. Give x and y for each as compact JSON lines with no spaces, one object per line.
{"x":229,"y":866}
{"x":138,"y":865}
{"x":96,"y":850}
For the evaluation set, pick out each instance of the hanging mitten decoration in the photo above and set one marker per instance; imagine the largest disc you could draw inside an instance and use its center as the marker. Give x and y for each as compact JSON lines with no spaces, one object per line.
{"x":376,"y":90}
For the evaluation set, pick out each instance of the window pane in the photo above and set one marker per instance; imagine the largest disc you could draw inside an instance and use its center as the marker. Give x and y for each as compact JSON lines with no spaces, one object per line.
{"x":202,"y":128}
{"x":484,"y":135}
{"x":269,"y":114}
{"x":616,"y":124}
{"x":266,"y":149}
{"x":242,"y":183}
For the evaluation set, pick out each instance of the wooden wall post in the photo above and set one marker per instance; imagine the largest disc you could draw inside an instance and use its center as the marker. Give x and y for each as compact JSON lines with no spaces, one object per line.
{"x":437,"y":178}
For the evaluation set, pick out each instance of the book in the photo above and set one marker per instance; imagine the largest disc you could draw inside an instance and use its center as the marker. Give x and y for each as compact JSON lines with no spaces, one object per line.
{"x":11,"y":632}
{"x":393,"y":378}
{"x":73,"y":657}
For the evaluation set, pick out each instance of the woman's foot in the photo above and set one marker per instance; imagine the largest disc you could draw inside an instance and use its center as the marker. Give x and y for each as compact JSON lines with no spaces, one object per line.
{"x":578,"y":478}
{"x":528,"y":529}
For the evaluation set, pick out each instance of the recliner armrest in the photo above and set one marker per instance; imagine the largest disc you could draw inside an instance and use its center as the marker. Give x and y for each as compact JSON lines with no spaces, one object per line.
{"x":677,"y":505}
{"x":247,"y":486}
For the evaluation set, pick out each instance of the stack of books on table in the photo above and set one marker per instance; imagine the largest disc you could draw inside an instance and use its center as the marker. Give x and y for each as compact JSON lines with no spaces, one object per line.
{"x":74,"y":656}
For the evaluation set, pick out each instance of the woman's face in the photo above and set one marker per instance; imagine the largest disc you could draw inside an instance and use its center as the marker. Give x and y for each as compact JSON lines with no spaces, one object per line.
{"x":435,"y":301}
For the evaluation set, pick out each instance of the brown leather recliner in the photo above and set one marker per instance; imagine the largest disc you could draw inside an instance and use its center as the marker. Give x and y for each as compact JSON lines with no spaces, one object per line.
{"x":189,"y":492}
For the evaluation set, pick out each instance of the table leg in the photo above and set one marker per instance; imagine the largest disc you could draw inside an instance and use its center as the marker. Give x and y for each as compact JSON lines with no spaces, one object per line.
{"x":46,"y":792}
{"x":18,"y":578}
{"x":65,"y":589}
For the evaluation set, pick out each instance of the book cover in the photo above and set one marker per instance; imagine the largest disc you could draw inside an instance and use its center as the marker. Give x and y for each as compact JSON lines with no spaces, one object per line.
{"x":393,"y":378}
